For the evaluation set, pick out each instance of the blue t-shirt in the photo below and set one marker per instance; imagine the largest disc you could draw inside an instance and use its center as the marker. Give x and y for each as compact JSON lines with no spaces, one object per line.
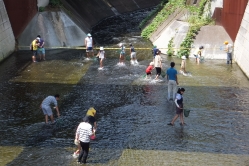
{"x":171,"y":72}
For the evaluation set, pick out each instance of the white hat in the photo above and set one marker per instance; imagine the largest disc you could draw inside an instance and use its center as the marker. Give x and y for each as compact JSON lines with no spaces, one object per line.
{"x":101,"y":48}
{"x":89,"y":34}
{"x":120,"y":44}
{"x":184,"y":57}
{"x":151,"y":63}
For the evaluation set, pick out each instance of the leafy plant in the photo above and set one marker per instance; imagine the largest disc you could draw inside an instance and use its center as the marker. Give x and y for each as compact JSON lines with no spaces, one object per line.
{"x":41,"y":9}
{"x":55,"y":3}
{"x":170,"y":51}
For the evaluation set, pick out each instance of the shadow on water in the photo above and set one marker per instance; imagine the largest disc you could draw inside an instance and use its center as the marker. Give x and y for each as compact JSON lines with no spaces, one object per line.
{"x":132,"y":112}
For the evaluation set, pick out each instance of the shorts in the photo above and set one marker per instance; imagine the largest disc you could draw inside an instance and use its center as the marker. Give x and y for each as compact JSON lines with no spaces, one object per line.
{"x":47,"y":110}
{"x":41,"y":51}
{"x":89,"y":49}
{"x":158,"y":71}
{"x":34,"y":52}
{"x":133,"y":54}
{"x":122,"y":53}
{"x":149,"y":73}
{"x":178,"y":110}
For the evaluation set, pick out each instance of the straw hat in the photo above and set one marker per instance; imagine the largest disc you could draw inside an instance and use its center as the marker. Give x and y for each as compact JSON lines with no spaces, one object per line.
{"x":226,"y":42}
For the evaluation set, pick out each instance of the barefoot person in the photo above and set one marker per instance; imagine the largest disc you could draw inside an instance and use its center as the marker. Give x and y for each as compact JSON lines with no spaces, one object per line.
{"x":149,"y":69}
{"x":33,"y":48}
{"x":133,"y":54}
{"x":83,"y":133}
{"x":179,"y":107}
{"x":122,"y":53}
{"x":41,"y":49}
{"x":89,"y":45}
{"x":183,"y":65}
{"x":198,"y":54}
{"x":101,"y":56}
{"x":172,"y":81}
{"x":46,"y":107}
{"x":158,"y":64}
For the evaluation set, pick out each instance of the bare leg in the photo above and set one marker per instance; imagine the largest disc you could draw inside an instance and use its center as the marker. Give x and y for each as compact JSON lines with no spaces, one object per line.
{"x":174,"y":119}
{"x":46,"y":119}
{"x":33,"y":58}
{"x":52,"y":118}
{"x":43,"y":57}
{"x":181,"y":118}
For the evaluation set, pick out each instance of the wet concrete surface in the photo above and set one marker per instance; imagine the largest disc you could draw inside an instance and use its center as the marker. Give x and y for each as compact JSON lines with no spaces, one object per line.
{"x":132,"y":112}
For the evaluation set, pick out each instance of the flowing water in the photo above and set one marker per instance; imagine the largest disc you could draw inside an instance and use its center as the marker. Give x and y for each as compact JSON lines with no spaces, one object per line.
{"x":132,"y":112}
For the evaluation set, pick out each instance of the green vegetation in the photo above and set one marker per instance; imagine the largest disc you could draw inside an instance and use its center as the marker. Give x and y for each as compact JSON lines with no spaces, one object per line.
{"x":168,"y":9}
{"x":196,"y":20}
{"x":41,"y":9}
{"x":153,"y":13}
{"x":170,"y":51}
{"x":198,"y":17}
{"x":55,"y":3}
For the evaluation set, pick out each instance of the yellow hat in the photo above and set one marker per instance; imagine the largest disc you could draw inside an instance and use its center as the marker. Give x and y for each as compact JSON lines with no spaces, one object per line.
{"x":226,"y":42}
{"x":91,"y":111}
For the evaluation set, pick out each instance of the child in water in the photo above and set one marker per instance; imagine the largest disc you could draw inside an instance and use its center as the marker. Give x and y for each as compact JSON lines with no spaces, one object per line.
{"x":149,"y":69}
{"x":122,"y":53}
{"x":101,"y":56}
{"x":183,"y":65}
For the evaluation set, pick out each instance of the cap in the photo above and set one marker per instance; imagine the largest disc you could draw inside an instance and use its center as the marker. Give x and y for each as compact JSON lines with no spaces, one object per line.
{"x":151,"y":63}
{"x":89,"y":34}
{"x":101,"y":48}
{"x":226,"y":42}
{"x":184,"y":57}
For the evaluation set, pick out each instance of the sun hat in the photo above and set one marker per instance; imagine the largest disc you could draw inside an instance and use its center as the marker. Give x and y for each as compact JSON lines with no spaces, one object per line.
{"x":151,"y":63}
{"x":226,"y":42}
{"x":89,"y":34}
{"x":101,"y":48}
{"x":184,"y":57}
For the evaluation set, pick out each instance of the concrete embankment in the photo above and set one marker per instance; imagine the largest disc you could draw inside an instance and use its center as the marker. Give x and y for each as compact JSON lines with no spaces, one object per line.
{"x":7,"y":39}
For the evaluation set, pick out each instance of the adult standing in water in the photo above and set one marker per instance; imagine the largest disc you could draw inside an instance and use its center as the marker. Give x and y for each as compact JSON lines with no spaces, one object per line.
{"x":154,"y":51}
{"x":158,"y":64}
{"x":89,"y":45}
{"x":46,"y":107}
{"x":41,"y":49}
{"x":179,"y":107}
{"x":83,"y":133}
{"x":229,"y":50}
{"x":172,"y":81}
{"x":133,"y":54}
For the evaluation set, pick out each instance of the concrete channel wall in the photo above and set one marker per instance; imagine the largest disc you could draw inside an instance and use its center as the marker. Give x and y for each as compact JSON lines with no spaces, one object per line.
{"x":241,"y":48}
{"x":7,"y":39}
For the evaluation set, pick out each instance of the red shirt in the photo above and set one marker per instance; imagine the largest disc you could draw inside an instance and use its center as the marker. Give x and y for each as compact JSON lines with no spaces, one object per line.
{"x":149,"y":68}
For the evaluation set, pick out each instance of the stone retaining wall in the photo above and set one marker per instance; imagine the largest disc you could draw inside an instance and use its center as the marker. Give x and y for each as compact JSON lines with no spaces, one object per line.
{"x":241,"y":48}
{"x":7,"y":39}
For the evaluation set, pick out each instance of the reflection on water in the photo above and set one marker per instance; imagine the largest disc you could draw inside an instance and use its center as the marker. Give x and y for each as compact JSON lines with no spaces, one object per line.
{"x":132,"y":112}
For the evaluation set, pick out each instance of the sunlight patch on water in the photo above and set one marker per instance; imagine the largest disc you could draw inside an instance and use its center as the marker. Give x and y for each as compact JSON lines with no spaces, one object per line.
{"x":155,"y":158}
{"x":55,"y":71}
{"x":9,"y":153}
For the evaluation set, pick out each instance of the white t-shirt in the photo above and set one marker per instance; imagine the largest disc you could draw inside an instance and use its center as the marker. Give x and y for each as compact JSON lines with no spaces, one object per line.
{"x":89,"y":41}
{"x":102,"y":54}
{"x":85,"y":131}
{"x":229,"y":48}
{"x":158,"y":60}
